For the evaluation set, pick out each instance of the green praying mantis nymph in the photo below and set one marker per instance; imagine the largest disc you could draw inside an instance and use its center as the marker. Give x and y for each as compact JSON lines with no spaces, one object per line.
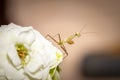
{"x":68,"y":40}
{"x":62,"y":42}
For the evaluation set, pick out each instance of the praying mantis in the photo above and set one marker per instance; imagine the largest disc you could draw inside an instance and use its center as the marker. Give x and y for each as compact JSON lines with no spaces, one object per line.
{"x":68,"y":40}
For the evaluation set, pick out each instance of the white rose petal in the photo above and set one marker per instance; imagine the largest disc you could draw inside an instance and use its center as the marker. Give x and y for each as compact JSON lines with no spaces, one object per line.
{"x":12,"y":54}
{"x":2,"y":73}
{"x":35,"y":63}
{"x":27,"y":36}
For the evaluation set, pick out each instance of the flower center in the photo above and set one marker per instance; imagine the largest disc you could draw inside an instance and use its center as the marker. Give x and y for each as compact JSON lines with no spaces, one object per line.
{"x":22,"y":52}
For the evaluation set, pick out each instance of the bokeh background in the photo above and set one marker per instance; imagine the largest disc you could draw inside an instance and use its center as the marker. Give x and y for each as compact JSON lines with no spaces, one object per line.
{"x":66,"y":17}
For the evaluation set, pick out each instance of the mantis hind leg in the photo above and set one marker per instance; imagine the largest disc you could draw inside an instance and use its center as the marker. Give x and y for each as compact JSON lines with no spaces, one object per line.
{"x":62,"y":46}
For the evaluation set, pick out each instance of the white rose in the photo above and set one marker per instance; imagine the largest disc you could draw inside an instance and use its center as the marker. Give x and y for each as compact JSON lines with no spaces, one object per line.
{"x":26,"y":55}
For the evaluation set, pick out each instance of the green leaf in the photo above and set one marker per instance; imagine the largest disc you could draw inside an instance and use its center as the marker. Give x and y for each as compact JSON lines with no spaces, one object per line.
{"x":56,"y":76}
{"x":54,"y":73}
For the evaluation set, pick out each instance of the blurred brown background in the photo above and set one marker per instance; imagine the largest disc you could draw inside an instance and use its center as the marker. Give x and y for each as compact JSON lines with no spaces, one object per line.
{"x":66,"y":17}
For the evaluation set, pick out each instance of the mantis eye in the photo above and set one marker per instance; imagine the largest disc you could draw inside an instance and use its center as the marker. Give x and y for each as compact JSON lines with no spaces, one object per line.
{"x":77,"y":34}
